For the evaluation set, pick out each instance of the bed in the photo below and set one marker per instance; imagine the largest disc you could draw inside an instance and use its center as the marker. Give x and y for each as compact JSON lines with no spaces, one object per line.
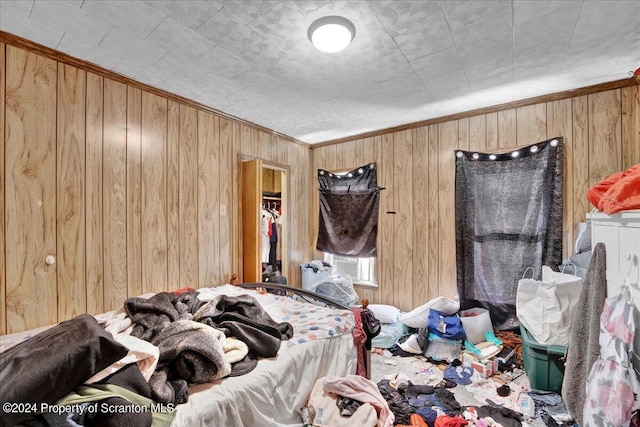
{"x":276,"y":390}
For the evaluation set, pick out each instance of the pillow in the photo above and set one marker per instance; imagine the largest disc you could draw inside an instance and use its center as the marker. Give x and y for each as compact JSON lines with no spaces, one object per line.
{"x":385,"y":313}
{"x":418,"y":317}
{"x":51,"y":364}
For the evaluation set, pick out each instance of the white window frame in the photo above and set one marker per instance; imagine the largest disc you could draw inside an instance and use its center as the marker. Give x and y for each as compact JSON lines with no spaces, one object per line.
{"x":366,"y":269}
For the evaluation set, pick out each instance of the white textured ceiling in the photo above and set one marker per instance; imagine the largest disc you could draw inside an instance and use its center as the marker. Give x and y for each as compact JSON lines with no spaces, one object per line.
{"x":409,"y":61}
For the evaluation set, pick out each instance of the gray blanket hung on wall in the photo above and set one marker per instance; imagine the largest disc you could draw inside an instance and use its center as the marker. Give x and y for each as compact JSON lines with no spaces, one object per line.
{"x":349,"y":205}
{"x":508,"y":217}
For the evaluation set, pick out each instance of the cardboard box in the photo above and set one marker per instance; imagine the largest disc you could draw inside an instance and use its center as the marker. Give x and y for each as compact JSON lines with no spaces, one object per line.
{"x":485,"y":367}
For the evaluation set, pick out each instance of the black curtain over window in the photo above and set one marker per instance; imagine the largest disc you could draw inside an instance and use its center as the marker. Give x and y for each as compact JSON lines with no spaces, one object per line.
{"x":349,"y":205}
{"x":508,"y":217}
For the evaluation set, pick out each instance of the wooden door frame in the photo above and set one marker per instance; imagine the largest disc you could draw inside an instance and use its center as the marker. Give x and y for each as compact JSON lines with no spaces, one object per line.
{"x":266,"y":164}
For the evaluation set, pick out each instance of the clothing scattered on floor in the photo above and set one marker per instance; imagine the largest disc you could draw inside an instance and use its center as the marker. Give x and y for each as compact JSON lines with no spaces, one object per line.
{"x":347,"y":406}
{"x":361,"y":389}
{"x":501,"y":403}
{"x":461,"y":374}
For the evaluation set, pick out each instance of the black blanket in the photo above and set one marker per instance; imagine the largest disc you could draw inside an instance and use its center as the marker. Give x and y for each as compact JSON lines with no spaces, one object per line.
{"x":243,"y":318}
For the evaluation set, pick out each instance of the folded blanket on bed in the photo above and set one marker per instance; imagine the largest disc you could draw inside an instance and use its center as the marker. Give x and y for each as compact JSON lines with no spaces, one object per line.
{"x":151,"y":315}
{"x":190,"y":352}
{"x":243,"y":317}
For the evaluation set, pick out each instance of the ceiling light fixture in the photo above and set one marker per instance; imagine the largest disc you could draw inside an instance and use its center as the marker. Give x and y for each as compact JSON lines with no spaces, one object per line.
{"x":331,"y":33}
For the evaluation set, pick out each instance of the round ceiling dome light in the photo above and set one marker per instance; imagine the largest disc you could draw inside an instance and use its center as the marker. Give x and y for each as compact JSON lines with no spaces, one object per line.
{"x":331,"y":33}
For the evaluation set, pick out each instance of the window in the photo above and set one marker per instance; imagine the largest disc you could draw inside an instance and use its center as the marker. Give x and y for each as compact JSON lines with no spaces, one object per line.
{"x":361,"y":270}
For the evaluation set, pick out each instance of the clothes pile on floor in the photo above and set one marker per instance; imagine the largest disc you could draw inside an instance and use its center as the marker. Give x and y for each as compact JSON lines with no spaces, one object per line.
{"x":440,"y":400}
{"x":398,"y":401}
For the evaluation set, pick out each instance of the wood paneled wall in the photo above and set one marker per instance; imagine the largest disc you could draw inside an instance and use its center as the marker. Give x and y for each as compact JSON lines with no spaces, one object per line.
{"x":416,"y":245}
{"x":129,"y":190}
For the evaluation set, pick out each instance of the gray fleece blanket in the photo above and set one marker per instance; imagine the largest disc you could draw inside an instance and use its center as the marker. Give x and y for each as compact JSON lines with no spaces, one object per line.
{"x":584,"y":347}
{"x":190,"y":352}
{"x":150,"y":316}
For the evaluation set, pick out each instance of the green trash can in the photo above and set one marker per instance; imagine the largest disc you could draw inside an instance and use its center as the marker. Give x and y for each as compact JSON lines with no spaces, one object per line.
{"x":544,"y":364}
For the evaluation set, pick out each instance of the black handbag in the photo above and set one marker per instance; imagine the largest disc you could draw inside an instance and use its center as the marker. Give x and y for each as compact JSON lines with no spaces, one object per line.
{"x":371,"y":326}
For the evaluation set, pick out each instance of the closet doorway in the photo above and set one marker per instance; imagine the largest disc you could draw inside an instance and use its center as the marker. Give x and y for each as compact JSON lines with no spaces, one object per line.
{"x":264,"y":225}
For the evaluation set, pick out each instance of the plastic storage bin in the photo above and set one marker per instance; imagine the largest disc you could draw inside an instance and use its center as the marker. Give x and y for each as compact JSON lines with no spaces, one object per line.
{"x":543,"y":363}
{"x":309,"y":276}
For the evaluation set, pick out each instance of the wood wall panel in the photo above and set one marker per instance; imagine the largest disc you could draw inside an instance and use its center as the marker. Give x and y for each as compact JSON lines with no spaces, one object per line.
{"x":332,"y":157}
{"x":433,"y":214}
{"x":234,"y":210}
{"x":420,"y":199}
{"x":448,"y":137}
{"x":188,"y":193}
{"x":507,"y":128}
{"x":478,"y":133}
{"x":559,"y":125}
{"x":115,"y":213}
{"x":134,"y":191}
{"x":30,"y":203}
{"x":70,"y":188}
{"x":282,"y":153}
{"x":319,"y":161}
{"x":630,"y":126}
{"x":403,"y":218}
{"x":531,"y":124}
{"x":491,"y":122}
{"x":297,"y":214}
{"x":94,"y":192}
{"x":249,"y":141}
{"x":463,"y":134}
{"x":605,"y":132}
{"x":208,"y":153}
{"x":173,"y":195}
{"x":154,"y":193}
{"x":600,"y":137}
{"x":225,"y":171}
{"x":293,"y":220}
{"x":3,"y":282}
{"x":385,"y":268}
{"x":266,"y":148}
{"x":580,"y":160}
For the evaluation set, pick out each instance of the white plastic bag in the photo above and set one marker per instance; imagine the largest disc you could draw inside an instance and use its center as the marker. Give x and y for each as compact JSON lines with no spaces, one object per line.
{"x":547,"y":307}
{"x":338,"y":287}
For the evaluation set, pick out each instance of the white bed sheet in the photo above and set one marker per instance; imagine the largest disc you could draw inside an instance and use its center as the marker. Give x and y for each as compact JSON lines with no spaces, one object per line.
{"x":276,"y":390}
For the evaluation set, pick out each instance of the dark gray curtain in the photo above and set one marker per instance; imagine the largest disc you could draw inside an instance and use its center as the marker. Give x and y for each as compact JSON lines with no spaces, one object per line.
{"x":349,"y":205}
{"x":508,"y":218}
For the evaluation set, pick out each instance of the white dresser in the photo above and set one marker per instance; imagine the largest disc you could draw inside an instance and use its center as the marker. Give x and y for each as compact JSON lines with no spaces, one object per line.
{"x":621,"y":235}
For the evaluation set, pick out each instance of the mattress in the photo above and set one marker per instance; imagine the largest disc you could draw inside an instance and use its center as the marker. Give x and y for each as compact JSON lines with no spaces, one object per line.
{"x":275,"y":391}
